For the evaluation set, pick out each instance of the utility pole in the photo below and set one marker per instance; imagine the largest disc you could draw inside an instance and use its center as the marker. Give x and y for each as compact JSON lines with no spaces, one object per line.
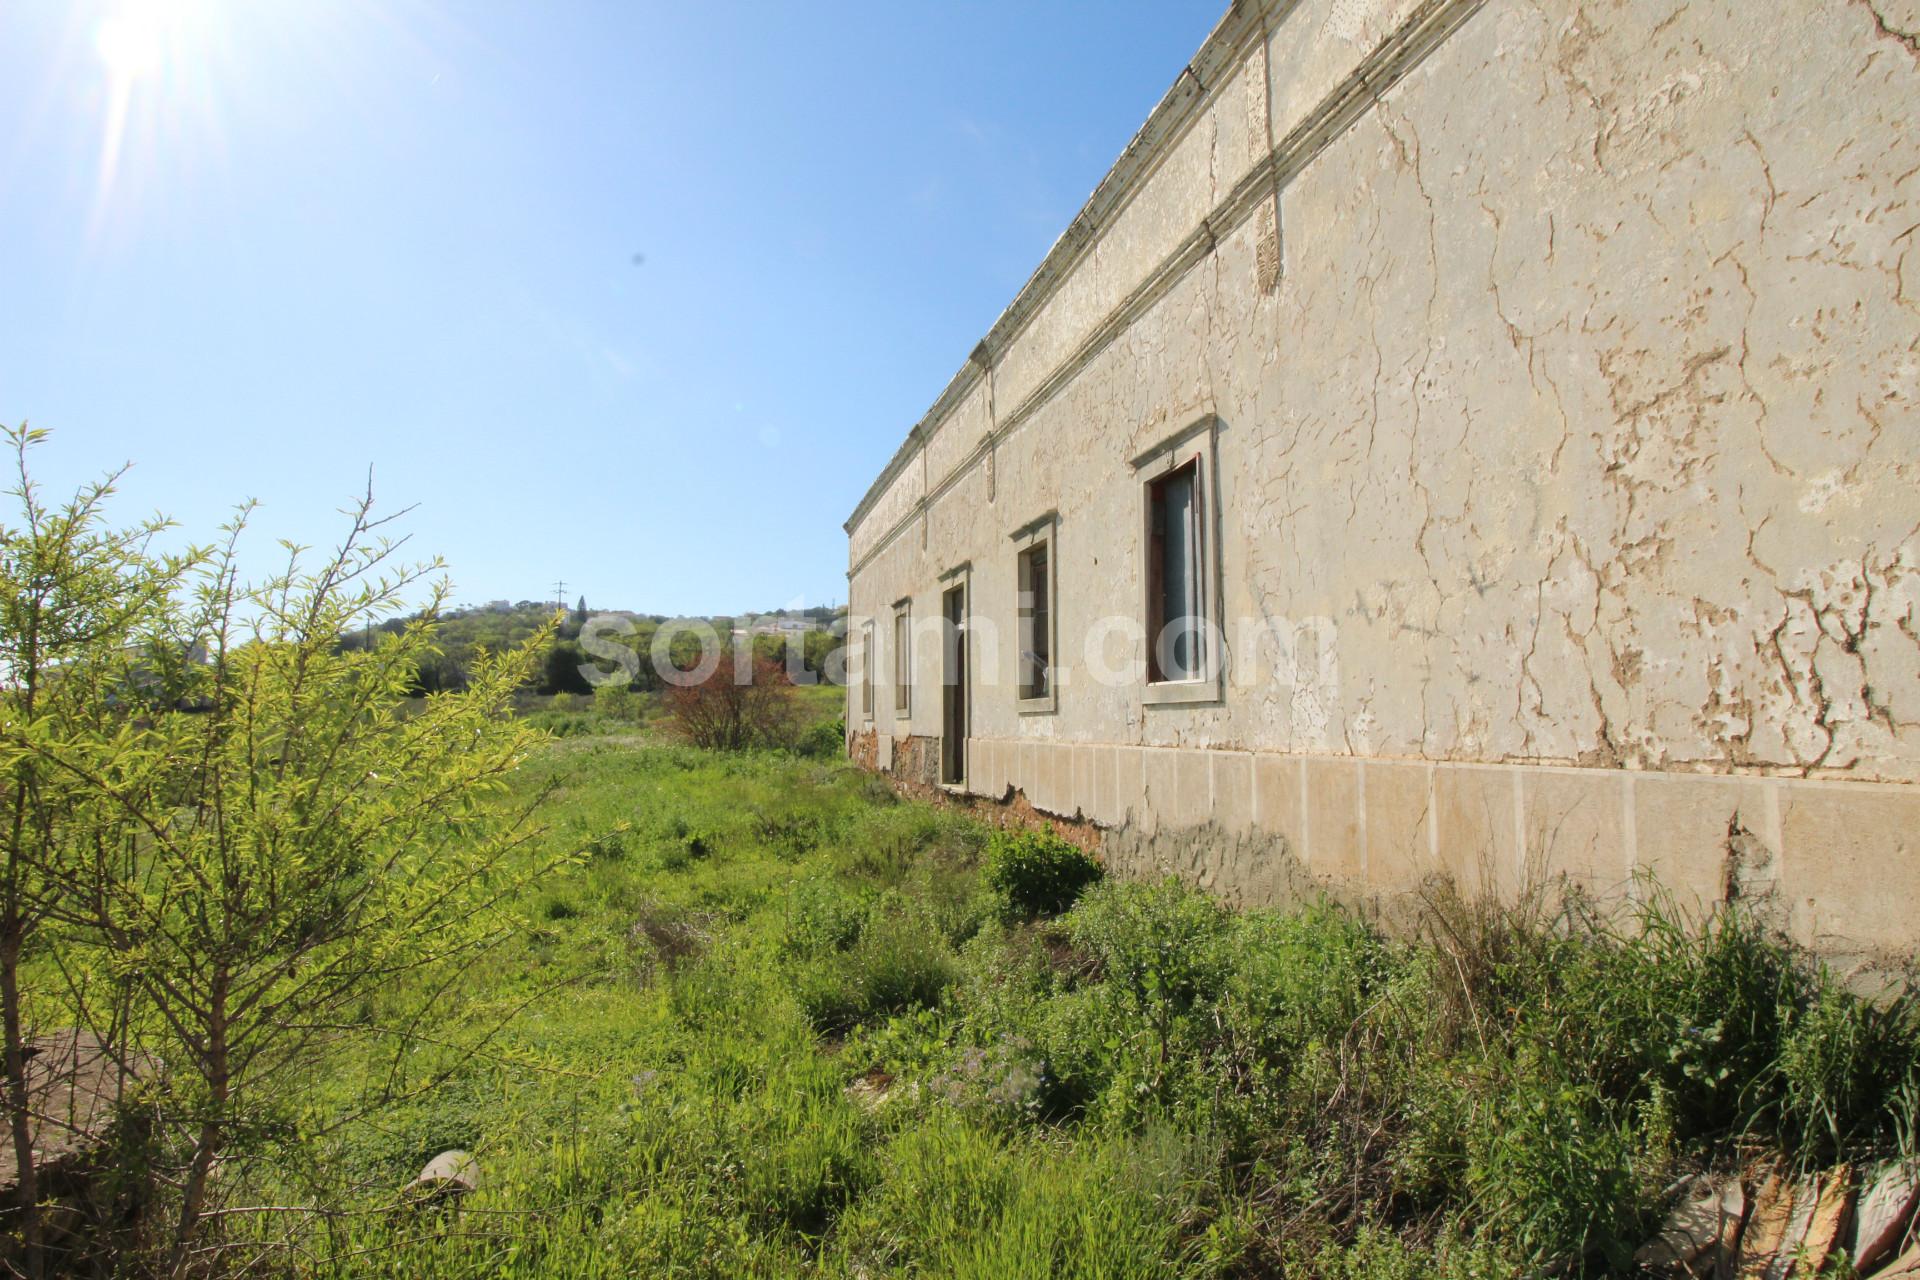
{"x":560,"y":595}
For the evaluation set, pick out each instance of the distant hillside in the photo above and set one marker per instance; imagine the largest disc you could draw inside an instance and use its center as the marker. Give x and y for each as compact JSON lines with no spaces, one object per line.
{"x":466,"y":633}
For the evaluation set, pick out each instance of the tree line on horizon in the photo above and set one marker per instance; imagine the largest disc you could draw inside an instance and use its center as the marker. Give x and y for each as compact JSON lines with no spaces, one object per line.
{"x":465,"y":636}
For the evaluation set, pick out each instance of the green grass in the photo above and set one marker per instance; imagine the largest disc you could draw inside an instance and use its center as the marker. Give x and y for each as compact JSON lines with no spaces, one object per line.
{"x":818,"y":709}
{"x":773,"y":1021}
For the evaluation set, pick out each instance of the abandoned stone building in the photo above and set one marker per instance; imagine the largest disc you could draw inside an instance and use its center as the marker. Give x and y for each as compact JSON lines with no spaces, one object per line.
{"x":1458,"y":437}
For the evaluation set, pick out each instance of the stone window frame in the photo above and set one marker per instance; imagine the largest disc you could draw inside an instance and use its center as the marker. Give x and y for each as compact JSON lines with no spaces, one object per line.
{"x":1042,"y":531}
{"x":903,"y":658}
{"x":1196,"y":445}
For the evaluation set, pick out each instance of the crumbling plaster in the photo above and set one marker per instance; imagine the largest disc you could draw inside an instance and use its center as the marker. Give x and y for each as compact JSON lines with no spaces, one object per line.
{"x":1580,"y":423}
{"x":1650,"y":434}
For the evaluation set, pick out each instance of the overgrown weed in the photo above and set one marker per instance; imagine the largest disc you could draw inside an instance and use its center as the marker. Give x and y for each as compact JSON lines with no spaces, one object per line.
{"x":865,"y":1045}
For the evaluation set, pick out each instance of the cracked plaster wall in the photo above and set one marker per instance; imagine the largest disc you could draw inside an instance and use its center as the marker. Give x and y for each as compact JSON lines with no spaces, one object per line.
{"x":1619,"y":309}
{"x":1582,"y":419}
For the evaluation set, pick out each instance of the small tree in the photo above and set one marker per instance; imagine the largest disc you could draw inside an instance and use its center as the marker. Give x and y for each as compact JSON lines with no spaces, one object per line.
{"x":561,"y":666}
{"x":77,"y":600}
{"x":258,"y":842}
{"x":822,"y":652}
{"x":616,"y":701}
{"x":738,"y":705}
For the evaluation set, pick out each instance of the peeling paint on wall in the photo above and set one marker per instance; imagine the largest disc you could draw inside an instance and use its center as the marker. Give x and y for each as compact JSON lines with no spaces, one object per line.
{"x":1580,"y":399}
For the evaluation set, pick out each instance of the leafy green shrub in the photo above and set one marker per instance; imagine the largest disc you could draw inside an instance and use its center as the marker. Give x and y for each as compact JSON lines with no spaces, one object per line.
{"x":1162,"y":944}
{"x":915,"y":1042}
{"x":1037,"y":872}
{"x":1160,"y":949}
{"x":615,"y":699}
{"x":1436,"y":1119}
{"x":1301,"y":977}
{"x":1084,"y":1041}
{"x":826,"y":740}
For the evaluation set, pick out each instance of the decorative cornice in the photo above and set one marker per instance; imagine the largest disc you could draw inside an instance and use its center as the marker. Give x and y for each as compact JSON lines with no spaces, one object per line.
{"x":1050,"y":516}
{"x":1169,"y":118}
{"x":1422,"y":32}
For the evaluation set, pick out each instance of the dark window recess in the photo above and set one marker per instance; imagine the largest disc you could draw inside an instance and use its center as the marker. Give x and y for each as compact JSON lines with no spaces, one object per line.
{"x":867,"y":667}
{"x":1036,"y":634}
{"x":902,"y":662}
{"x":1175,"y":634}
{"x":954,"y":693}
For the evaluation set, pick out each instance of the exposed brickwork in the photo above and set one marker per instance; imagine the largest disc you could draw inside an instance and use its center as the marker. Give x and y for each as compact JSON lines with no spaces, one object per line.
{"x":917,"y":760}
{"x":1011,"y":811}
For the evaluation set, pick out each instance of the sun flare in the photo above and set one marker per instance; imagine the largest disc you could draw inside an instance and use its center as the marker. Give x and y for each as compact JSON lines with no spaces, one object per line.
{"x":153,"y":54}
{"x":130,"y":46}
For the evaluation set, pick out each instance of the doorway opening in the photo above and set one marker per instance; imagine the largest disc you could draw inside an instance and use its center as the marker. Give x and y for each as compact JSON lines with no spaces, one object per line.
{"x":954,"y":690}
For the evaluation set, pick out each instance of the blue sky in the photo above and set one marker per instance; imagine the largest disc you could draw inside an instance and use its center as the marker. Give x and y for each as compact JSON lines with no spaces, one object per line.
{"x":640,"y":296}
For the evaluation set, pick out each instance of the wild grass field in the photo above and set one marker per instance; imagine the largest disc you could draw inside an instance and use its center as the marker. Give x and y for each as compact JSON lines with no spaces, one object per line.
{"x":773,"y":1021}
